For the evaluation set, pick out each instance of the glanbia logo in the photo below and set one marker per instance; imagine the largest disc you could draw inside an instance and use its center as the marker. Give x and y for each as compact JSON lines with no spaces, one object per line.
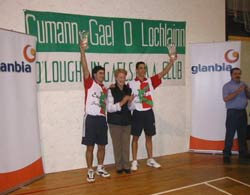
{"x":29,"y":55}
{"x":231,"y":56}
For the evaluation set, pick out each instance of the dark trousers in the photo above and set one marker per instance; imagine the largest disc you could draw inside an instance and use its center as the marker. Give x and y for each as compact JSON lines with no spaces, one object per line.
{"x":236,"y":121}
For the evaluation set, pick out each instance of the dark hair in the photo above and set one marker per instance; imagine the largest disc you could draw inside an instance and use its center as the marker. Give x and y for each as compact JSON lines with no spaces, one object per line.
{"x":138,"y":63}
{"x":96,"y":69}
{"x":233,"y":69}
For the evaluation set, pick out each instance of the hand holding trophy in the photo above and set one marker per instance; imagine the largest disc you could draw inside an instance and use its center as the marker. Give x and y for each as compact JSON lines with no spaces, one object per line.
{"x":172,"y":52}
{"x":83,"y":40}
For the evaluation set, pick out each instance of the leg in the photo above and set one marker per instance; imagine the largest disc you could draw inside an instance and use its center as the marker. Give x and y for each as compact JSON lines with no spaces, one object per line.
{"x":89,"y":159}
{"x":134,"y":165}
{"x":100,"y":158}
{"x":101,"y":141}
{"x":100,"y":154}
{"x":89,"y":141}
{"x":135,"y":147}
{"x":149,"y":133}
{"x":230,"y":131}
{"x":125,"y":146}
{"x":116,"y":134}
{"x":136,"y":130}
{"x":89,"y":156}
{"x":241,"y":132}
{"x":149,"y":146}
{"x":101,"y":138}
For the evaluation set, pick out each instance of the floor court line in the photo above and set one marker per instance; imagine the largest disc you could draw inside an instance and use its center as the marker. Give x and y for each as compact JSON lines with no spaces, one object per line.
{"x":235,"y":180}
{"x":216,"y":188}
{"x":189,"y":186}
{"x":205,"y":183}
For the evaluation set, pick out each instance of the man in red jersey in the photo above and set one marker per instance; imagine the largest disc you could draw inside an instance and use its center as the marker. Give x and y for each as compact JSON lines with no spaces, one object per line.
{"x":95,"y":131}
{"x":143,"y":115}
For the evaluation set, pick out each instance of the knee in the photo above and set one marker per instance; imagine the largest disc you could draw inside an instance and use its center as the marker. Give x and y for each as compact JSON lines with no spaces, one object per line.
{"x":135,"y":139}
{"x":148,"y":138}
{"x":90,"y":149}
{"x":101,"y":148}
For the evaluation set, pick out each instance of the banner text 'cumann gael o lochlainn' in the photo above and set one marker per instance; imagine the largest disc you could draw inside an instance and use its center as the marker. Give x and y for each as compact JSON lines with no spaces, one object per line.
{"x":113,"y":43}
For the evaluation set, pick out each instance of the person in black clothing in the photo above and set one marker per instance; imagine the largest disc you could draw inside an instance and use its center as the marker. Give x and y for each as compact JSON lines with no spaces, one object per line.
{"x":119,"y":120}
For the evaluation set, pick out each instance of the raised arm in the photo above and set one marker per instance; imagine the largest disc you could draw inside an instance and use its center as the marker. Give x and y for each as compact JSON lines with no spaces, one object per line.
{"x":168,"y":67}
{"x":85,"y":68}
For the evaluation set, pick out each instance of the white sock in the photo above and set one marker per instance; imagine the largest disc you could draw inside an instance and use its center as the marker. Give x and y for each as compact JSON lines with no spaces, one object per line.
{"x":99,"y":166}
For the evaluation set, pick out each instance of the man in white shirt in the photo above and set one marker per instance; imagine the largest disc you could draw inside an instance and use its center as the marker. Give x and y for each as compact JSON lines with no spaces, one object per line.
{"x":143,"y":115}
{"x":95,"y":131}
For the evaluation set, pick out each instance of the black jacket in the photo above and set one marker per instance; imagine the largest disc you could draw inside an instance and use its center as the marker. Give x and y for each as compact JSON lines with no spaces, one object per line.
{"x":122,"y":117}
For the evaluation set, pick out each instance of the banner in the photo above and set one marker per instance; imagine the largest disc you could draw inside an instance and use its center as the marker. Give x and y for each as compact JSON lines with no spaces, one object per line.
{"x":113,"y":43}
{"x":20,"y":156}
{"x":210,"y":70}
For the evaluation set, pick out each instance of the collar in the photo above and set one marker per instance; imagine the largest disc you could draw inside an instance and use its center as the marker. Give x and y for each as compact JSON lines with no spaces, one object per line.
{"x":124,"y":87}
{"x":233,"y":81}
{"x":116,"y":85}
{"x":101,"y":84}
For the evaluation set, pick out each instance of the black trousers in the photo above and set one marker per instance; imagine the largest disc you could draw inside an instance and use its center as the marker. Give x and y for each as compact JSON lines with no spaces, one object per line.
{"x":236,"y":121}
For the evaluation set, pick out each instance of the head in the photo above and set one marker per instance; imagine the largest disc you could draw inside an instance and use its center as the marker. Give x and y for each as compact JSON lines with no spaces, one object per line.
{"x":141,"y":69}
{"x":98,"y":74}
{"x":235,"y":74}
{"x":120,"y":77}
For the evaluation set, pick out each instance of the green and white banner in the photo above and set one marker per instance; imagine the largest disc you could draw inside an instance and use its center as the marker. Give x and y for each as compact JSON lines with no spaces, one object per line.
{"x":113,"y":43}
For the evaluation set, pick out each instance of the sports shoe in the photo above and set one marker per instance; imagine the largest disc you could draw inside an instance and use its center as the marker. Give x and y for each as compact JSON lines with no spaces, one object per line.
{"x":134,"y":165}
{"x":102,"y":172}
{"x":91,"y":176}
{"x":152,"y":163}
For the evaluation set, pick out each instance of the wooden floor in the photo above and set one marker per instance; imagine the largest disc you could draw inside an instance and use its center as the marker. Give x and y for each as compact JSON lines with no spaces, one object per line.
{"x":185,"y":173}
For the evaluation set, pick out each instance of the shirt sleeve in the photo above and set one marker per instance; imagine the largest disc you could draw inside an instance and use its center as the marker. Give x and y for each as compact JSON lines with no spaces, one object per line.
{"x":225,"y":91}
{"x":111,"y":107}
{"x":88,"y":82}
{"x":156,"y":81}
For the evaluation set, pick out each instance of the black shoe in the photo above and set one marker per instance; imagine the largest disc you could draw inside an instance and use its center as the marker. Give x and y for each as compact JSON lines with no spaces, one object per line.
{"x":128,"y":171}
{"x":119,"y":171}
{"x":226,"y":159}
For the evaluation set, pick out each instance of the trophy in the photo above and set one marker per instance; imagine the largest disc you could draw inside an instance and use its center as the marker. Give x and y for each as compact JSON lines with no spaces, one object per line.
{"x":84,"y":39}
{"x":172,"y":50}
